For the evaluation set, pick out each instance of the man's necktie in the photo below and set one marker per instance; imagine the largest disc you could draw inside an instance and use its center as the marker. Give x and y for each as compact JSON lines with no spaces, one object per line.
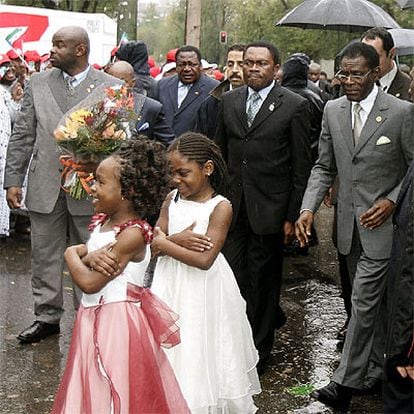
{"x":356,"y":132}
{"x":253,"y":107}
{"x":70,"y":80}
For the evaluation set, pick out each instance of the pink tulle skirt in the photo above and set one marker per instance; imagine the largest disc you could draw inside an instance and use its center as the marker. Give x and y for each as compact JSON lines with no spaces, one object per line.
{"x":115,"y":362}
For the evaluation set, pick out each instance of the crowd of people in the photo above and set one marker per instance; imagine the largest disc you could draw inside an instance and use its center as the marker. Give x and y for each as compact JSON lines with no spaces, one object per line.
{"x":221,"y":180}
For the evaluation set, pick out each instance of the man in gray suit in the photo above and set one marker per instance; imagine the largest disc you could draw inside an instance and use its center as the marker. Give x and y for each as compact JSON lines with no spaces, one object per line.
{"x":55,"y":216}
{"x":367,"y":140}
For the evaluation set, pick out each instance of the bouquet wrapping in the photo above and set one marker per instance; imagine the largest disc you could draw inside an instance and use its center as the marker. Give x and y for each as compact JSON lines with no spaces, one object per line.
{"x":91,"y":131}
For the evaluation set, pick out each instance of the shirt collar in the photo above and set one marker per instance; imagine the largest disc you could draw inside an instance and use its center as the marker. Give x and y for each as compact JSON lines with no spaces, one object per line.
{"x":387,"y":79}
{"x":262,"y":92}
{"x":368,"y":102}
{"x":78,"y":77}
{"x":184,"y":85}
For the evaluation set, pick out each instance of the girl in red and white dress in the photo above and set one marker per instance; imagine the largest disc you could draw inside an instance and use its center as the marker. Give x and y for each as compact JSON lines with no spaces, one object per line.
{"x":115,"y":362}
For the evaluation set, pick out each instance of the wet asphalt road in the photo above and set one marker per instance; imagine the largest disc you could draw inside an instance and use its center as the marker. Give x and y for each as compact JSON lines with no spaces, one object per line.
{"x":304,"y":355}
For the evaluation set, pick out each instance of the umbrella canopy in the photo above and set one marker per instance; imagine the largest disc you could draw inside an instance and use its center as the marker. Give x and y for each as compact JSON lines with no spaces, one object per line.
{"x":343,"y":15}
{"x":403,"y":41}
{"x":406,"y":4}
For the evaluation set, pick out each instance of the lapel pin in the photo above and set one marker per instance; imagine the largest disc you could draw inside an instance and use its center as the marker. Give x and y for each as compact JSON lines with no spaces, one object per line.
{"x":397,"y":95}
{"x":378,"y":119}
{"x":272,"y":107}
{"x":197,"y":93}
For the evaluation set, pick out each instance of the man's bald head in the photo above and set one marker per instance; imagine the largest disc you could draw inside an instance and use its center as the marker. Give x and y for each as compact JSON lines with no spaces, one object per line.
{"x":124,"y":71}
{"x":70,"y":49}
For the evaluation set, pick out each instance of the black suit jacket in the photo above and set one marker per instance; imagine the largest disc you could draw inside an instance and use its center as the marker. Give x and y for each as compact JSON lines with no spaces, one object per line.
{"x":400,"y":86}
{"x":269,"y":163}
{"x":152,"y":122}
{"x":183,"y":119}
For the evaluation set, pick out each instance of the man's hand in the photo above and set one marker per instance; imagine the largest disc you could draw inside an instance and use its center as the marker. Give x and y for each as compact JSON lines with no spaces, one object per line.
{"x":407,"y":371}
{"x":303,"y":227}
{"x":377,"y":214}
{"x":191,"y":240}
{"x":14,"y":197}
{"x":289,"y":232}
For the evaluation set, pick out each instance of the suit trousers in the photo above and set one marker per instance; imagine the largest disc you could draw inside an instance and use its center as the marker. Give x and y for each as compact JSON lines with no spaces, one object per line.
{"x":365,"y":339}
{"x":257,"y":262}
{"x":50,"y":235}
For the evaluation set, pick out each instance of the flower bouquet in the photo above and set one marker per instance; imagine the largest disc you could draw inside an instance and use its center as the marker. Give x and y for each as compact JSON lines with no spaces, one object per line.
{"x":89,"y":132}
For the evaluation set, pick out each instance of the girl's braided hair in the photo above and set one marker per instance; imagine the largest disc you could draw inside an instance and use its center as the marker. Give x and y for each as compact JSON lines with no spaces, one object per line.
{"x":197,"y":147}
{"x":144,"y":174}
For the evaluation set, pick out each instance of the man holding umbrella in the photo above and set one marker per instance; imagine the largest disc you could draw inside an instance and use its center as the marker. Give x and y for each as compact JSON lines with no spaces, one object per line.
{"x":392,"y":80}
{"x":367,"y":140}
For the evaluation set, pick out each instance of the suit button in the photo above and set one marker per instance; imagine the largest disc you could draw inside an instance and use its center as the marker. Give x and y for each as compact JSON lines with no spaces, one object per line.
{"x":395,"y":226}
{"x":246,"y":140}
{"x":244,"y":162}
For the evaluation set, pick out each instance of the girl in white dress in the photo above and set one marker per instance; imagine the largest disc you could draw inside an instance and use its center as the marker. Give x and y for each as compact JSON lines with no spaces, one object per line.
{"x":215,"y":364}
{"x":115,"y":363}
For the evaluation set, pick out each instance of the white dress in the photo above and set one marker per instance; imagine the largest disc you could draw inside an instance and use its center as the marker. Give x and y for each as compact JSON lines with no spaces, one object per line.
{"x":215,"y":364}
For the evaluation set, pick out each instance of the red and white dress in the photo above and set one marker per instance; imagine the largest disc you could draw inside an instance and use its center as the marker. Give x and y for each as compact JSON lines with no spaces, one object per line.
{"x":115,"y":362}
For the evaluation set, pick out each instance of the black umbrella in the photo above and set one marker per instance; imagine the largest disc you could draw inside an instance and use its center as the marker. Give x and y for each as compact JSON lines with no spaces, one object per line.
{"x":406,"y":4}
{"x":342,"y":15}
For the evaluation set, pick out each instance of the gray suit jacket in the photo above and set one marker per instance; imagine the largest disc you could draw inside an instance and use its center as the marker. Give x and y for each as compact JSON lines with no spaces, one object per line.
{"x":368,"y":172}
{"x":45,"y":101}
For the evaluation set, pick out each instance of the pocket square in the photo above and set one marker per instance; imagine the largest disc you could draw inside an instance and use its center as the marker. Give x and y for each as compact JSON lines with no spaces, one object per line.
{"x":383,"y":140}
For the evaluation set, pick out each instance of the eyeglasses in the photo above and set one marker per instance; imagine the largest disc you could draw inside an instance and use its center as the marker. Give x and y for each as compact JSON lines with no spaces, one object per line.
{"x":191,"y":65}
{"x":258,"y":63}
{"x":343,"y":77}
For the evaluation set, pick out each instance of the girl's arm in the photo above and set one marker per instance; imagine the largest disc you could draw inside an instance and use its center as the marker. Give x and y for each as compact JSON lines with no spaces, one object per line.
{"x":218,"y":227}
{"x":130,"y":246}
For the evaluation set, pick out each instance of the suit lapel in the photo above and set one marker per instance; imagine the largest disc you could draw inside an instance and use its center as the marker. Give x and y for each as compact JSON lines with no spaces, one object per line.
{"x":57,"y":88}
{"x":273,"y":101}
{"x":240,"y":105}
{"x":192,"y":95}
{"x":375,"y":119}
{"x":173,"y":93}
{"x":345,"y":124}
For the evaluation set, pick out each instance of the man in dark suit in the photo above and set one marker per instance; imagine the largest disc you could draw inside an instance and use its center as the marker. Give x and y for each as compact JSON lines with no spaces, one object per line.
{"x":397,"y":394}
{"x":152,"y":122}
{"x":367,"y":141}
{"x":392,"y":80}
{"x":263,"y":132}
{"x":55,"y":216}
{"x":182,"y":94}
{"x":207,"y":114}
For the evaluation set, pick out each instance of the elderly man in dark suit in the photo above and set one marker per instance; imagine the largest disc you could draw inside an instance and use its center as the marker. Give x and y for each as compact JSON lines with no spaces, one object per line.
{"x":182,"y":94}
{"x":263,"y":132}
{"x":367,"y":140}
{"x":152,"y":122}
{"x":392,"y":80}
{"x":54,"y":215}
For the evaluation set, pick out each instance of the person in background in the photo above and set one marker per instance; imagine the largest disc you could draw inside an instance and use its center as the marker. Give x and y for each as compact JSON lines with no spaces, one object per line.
{"x":208,"y":68}
{"x":181,"y":95}
{"x":56,"y":218}
{"x":263,"y":133}
{"x":5,"y":130}
{"x":136,"y":53}
{"x":323,"y":85}
{"x":399,"y":353}
{"x":152,"y":122}
{"x":392,"y":80}
{"x":207,"y":114}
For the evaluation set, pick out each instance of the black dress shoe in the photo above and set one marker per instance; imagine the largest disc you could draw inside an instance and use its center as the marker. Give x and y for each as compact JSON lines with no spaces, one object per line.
{"x":38,"y":331}
{"x":334,"y":395}
{"x":373,"y":386}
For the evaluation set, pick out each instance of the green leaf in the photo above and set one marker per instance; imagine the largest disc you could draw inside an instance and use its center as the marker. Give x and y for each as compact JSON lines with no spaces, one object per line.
{"x":300,"y":390}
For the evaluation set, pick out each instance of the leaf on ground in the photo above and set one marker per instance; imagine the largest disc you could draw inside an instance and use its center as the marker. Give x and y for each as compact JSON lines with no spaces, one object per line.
{"x":300,"y":390}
